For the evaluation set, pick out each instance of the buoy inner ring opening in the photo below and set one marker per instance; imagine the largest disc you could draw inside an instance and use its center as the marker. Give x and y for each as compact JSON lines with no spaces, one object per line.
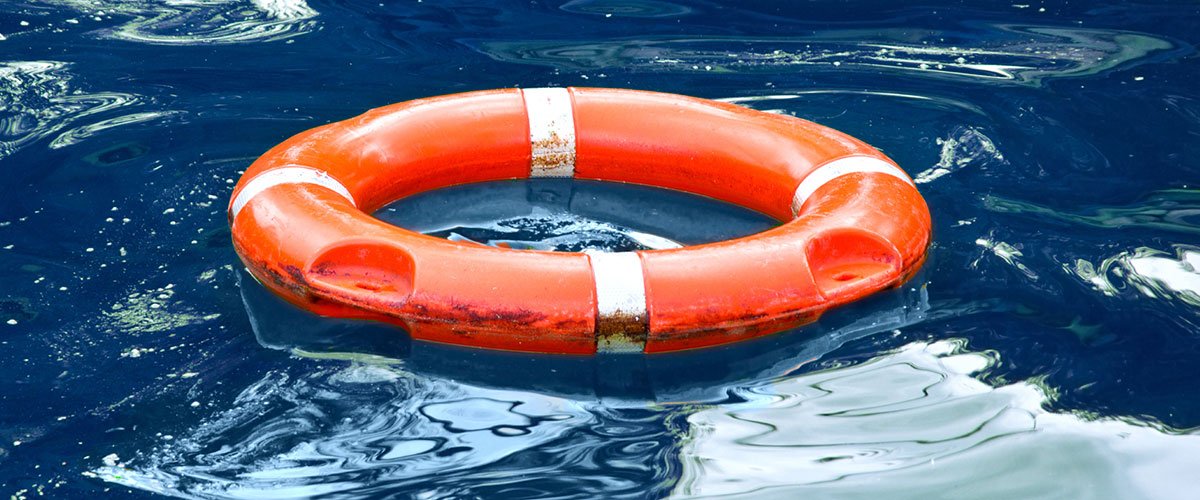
{"x":566,"y":215}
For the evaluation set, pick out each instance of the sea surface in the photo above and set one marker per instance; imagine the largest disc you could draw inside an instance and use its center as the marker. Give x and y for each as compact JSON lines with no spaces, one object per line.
{"x":1050,"y":347}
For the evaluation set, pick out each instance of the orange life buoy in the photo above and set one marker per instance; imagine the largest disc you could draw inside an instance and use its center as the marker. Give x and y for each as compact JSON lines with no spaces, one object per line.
{"x":301,"y":221}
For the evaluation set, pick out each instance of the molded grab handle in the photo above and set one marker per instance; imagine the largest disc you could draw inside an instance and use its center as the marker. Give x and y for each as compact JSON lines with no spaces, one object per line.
{"x":845,"y":259}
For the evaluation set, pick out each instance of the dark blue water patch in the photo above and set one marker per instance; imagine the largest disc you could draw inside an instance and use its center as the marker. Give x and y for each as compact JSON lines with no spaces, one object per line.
{"x":1054,"y":144}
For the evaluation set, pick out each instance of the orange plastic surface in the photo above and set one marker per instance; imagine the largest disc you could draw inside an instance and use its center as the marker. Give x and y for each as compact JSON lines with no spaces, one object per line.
{"x":854,"y":236}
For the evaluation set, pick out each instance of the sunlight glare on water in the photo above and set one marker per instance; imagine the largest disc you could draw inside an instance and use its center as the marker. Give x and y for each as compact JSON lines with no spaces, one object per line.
{"x":916,"y":424}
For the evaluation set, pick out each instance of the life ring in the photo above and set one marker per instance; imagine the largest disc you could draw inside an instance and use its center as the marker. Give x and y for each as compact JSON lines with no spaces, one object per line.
{"x":301,"y":222}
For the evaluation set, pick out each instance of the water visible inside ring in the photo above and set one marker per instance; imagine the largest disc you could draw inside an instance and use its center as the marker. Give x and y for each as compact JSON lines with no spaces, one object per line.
{"x":1048,"y":349}
{"x":573,"y":216}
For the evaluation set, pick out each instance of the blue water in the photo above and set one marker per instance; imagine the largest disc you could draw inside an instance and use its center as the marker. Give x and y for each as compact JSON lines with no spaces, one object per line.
{"x":1049,"y":348}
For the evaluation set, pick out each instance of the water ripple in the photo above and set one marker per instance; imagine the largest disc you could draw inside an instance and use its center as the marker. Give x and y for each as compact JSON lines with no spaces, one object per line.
{"x":627,"y":8}
{"x":1004,"y":53}
{"x":38,"y":99}
{"x":965,"y":146}
{"x":1176,"y":210}
{"x":1006,"y":252}
{"x":202,"y":23}
{"x":367,"y":429}
{"x":917,"y":417}
{"x":942,"y":102}
{"x":75,"y":135}
{"x":1153,"y":273}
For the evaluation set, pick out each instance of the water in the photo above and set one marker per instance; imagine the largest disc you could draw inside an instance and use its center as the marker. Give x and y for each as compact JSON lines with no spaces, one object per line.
{"x":1047,"y":350}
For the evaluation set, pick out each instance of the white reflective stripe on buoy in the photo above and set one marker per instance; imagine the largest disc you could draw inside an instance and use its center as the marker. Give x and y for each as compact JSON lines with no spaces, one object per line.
{"x":622,"y":322}
{"x":286,"y":175}
{"x":839,"y":167}
{"x":551,"y":132}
